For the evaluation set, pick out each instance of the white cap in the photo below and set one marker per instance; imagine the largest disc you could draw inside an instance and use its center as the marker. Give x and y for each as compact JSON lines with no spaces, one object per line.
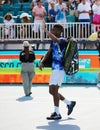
{"x":24,"y":15}
{"x":25,"y":44}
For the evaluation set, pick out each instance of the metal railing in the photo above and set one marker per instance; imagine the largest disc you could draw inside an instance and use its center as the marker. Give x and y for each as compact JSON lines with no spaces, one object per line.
{"x":21,"y":31}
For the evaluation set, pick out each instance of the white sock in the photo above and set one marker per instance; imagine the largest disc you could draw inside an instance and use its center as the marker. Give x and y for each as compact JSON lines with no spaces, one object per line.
{"x":67,"y":101}
{"x":56,"y":109}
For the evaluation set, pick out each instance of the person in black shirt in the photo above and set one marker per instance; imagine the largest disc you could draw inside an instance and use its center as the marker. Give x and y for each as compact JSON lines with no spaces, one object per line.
{"x":27,"y":58}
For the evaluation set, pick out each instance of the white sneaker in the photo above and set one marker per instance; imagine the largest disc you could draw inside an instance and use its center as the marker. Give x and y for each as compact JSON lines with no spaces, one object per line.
{"x":98,"y":85}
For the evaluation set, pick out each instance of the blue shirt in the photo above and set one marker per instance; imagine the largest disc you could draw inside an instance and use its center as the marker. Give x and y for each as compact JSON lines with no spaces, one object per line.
{"x":57,"y":54}
{"x":52,"y":12}
{"x":61,"y":15}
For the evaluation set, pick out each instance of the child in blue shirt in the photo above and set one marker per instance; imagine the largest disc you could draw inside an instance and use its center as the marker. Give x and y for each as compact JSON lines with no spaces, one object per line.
{"x":52,"y":13}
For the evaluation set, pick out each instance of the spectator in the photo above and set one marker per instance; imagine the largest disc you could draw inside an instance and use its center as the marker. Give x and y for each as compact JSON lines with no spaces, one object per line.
{"x":84,"y":11}
{"x":25,"y":28}
{"x":61,"y":9}
{"x":8,"y":26}
{"x":91,"y":2}
{"x":92,"y":37}
{"x":96,"y":12}
{"x":25,"y":18}
{"x":38,"y":12}
{"x":73,"y":8}
{"x":8,"y":1}
{"x":52,"y":13}
{"x":1,"y":3}
{"x":50,"y":1}
{"x":33,"y":3}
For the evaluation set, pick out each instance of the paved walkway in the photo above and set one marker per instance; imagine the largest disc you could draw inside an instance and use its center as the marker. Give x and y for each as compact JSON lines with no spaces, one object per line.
{"x":18,"y":112}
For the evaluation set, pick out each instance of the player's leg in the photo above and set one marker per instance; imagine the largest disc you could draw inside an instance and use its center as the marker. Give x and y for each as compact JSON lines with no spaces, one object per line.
{"x":69,"y":104}
{"x":56,"y":81}
{"x":53,"y":90}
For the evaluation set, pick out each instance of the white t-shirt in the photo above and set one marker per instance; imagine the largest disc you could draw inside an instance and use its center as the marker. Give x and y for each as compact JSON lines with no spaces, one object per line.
{"x":90,"y":1}
{"x":82,"y":7}
{"x":9,"y":27}
{"x":8,"y":23}
{"x":96,"y":9}
{"x":39,"y":10}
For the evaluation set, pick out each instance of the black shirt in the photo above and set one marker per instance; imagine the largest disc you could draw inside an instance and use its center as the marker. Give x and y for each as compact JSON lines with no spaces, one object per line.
{"x":30,"y":59}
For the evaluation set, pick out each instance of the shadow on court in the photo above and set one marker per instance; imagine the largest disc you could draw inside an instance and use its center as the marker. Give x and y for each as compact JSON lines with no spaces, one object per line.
{"x":24,"y":98}
{"x":55,"y":125}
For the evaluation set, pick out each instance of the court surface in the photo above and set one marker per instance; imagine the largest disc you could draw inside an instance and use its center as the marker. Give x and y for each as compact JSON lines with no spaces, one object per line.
{"x":18,"y":112}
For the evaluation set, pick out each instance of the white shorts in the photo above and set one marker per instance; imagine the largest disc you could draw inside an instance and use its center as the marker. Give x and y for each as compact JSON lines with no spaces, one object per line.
{"x":57,"y":77}
{"x":37,"y":25}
